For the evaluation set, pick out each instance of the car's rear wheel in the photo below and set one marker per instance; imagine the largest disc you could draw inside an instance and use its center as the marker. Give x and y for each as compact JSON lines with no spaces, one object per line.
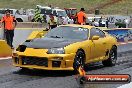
{"x":79,"y":60}
{"x":112,"y":57}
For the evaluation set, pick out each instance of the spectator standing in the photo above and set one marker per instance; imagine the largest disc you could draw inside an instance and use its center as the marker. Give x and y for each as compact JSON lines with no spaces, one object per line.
{"x":107,"y":23}
{"x":60,"y":20}
{"x":52,"y":22}
{"x":100,"y":22}
{"x":9,"y":26}
{"x":81,"y":17}
{"x":44,"y":18}
{"x":93,"y":21}
{"x":127,"y":21}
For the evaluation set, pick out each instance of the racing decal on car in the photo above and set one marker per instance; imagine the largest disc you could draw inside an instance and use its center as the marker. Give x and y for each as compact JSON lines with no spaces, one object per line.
{"x":82,"y":29}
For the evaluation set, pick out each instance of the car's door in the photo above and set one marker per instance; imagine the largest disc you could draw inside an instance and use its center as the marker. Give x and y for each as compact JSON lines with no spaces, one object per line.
{"x":97,"y":47}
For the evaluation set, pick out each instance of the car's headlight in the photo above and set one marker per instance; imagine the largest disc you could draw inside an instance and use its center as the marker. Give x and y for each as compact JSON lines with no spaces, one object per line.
{"x":56,"y":51}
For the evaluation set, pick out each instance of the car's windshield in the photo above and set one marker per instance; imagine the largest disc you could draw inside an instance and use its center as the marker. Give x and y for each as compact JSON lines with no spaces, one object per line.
{"x":62,"y":13}
{"x":97,"y":19}
{"x":46,"y":11}
{"x":68,"y":32}
{"x":68,"y":12}
{"x":73,"y":12}
{"x":3,"y":11}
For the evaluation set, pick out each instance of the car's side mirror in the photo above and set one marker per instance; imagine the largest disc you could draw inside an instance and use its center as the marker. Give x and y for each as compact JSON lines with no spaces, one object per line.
{"x":95,"y":37}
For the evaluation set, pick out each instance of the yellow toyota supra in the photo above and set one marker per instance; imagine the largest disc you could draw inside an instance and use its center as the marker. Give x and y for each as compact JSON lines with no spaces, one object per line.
{"x":67,"y":47}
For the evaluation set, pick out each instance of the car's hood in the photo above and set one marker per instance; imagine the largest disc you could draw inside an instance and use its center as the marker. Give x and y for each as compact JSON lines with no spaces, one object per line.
{"x":47,"y":43}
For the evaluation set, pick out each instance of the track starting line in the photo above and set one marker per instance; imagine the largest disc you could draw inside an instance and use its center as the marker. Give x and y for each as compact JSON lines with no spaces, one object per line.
{"x":5,"y":58}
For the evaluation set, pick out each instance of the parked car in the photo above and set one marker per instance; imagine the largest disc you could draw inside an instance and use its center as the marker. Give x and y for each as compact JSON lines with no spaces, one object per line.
{"x":19,"y":17}
{"x":66,"y":48}
{"x":96,"y":21}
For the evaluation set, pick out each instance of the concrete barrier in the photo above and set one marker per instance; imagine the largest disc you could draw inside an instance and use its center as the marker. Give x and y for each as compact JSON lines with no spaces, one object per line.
{"x":20,"y":34}
{"x":5,"y":50}
{"x":29,"y":25}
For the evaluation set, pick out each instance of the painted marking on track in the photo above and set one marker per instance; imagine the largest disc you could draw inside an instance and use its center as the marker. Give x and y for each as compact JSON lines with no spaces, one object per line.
{"x":5,"y":58}
{"x":124,"y":43}
{"x":129,"y":85}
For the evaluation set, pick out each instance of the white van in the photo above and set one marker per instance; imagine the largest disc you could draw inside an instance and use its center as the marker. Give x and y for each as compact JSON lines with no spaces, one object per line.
{"x":19,"y":17}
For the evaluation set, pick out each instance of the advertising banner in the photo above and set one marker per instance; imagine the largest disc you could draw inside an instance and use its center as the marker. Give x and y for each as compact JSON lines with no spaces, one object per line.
{"x":122,"y":35}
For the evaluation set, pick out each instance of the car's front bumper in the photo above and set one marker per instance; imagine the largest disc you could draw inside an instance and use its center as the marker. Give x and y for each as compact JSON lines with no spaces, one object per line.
{"x":48,"y":62}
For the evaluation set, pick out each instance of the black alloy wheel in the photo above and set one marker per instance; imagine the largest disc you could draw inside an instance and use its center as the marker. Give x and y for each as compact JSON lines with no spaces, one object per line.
{"x":111,"y":61}
{"x":79,"y":60}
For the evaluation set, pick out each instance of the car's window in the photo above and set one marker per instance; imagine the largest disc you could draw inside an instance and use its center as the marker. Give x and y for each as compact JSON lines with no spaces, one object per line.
{"x":97,"y":32}
{"x":54,"y":13}
{"x":73,"y":12}
{"x":11,"y":11}
{"x":2,"y":11}
{"x":43,"y":11}
{"x":46,"y":11}
{"x":96,"y":19}
{"x":68,"y":12}
{"x":68,"y":32}
{"x":62,"y":13}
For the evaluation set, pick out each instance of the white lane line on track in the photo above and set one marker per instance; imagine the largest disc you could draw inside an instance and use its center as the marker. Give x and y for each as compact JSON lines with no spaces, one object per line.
{"x":129,"y":85}
{"x":124,"y":43}
{"x":5,"y":58}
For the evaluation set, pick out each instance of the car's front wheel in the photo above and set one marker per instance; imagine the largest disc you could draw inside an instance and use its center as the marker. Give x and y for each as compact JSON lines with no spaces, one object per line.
{"x":112,"y":57}
{"x":79,"y":60}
